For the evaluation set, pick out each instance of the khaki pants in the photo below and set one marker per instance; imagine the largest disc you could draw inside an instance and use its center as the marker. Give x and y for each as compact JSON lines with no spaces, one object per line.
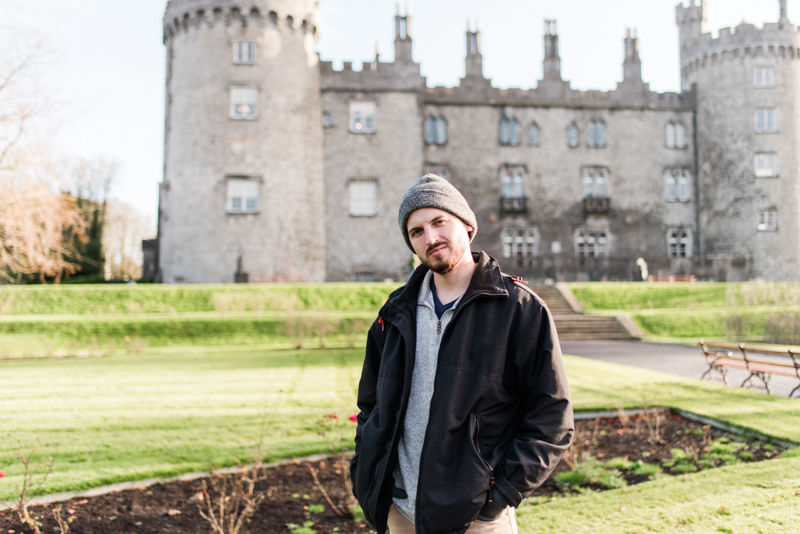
{"x":505,"y":524}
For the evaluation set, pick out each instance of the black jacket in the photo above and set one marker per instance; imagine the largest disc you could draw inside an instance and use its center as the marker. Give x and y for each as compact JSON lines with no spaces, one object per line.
{"x":500,"y":412}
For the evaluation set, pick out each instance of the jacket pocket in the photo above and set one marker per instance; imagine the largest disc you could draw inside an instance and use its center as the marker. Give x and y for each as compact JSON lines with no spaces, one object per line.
{"x":476,"y":442}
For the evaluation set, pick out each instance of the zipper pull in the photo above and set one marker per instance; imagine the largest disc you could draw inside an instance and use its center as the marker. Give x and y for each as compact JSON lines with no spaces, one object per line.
{"x":491,"y":488}
{"x":380,"y":322}
{"x":438,"y":327}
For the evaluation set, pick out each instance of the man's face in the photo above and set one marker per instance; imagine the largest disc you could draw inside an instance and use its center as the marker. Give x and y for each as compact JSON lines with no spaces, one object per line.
{"x":439,"y":238}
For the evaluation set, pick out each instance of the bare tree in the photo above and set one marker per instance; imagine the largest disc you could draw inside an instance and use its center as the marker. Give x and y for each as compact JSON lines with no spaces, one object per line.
{"x":22,"y":56}
{"x":124,"y":230}
{"x":37,"y":229}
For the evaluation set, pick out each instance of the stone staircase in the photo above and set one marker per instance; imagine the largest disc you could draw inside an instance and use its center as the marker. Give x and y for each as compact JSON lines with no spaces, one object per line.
{"x":572,"y":324}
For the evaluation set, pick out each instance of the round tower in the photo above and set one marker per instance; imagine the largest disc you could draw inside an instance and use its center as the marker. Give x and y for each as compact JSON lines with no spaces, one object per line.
{"x":747,"y":82}
{"x":243,"y":192}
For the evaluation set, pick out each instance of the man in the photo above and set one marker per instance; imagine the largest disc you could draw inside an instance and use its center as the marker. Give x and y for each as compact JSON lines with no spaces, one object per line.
{"x":465,"y":408}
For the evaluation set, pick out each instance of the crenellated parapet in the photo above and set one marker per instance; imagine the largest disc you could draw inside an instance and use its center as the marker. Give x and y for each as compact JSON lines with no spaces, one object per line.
{"x":569,"y":98}
{"x":374,"y":76}
{"x":774,"y":40}
{"x":290,"y":15}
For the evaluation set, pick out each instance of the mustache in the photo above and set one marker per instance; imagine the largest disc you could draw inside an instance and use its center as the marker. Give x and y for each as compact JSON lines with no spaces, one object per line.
{"x":435,"y":245}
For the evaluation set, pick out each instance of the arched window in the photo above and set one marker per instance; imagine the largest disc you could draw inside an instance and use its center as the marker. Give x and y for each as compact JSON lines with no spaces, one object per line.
{"x":594,"y":182}
{"x":430,"y":130}
{"x":514,"y":137}
{"x":509,"y":131}
{"x":676,"y":182}
{"x":680,"y":135}
{"x":670,"y":134}
{"x":435,"y":130}
{"x":505,"y":131}
{"x":533,"y":134}
{"x":511,"y":181}
{"x":441,"y":131}
{"x":572,"y":135}
{"x":595,"y":135}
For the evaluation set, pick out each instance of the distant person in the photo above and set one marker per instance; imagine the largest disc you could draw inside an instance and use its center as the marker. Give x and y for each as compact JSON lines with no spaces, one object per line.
{"x":465,"y":408}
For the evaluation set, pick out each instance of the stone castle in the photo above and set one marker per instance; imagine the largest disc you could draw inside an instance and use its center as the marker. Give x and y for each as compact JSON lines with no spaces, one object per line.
{"x":279,"y":168}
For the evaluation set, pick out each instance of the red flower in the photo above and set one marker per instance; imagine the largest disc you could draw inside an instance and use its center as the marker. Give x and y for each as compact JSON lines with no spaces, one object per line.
{"x":333,"y":416}
{"x":354,"y":417}
{"x":2,"y":475}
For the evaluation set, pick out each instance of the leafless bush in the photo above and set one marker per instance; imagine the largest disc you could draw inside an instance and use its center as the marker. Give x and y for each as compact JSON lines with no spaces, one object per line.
{"x":353,"y":329}
{"x":63,"y":524}
{"x":298,"y":329}
{"x":34,"y":476}
{"x":623,"y":416}
{"x":232,"y":500}
{"x":652,"y":419}
{"x":5,"y":304}
{"x":334,"y":437}
{"x":738,"y":326}
{"x":783,"y":327}
{"x":323,"y":326}
{"x":240,"y":302}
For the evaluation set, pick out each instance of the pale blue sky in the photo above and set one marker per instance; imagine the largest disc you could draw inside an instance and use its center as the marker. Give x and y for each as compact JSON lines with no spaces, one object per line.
{"x":109,"y":74}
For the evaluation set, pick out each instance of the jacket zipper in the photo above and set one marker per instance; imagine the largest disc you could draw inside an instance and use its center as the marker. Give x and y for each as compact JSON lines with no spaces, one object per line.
{"x":477,"y":444}
{"x":439,"y":326}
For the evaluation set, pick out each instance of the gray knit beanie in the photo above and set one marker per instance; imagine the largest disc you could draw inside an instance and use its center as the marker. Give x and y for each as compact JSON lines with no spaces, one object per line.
{"x":431,"y":191}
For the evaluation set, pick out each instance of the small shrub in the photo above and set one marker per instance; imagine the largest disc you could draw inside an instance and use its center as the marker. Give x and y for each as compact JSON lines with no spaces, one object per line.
{"x":590,"y":472}
{"x":305,"y":528}
{"x":684,"y":468}
{"x":621,"y":464}
{"x":738,"y":326}
{"x":323,"y":326}
{"x":298,"y":329}
{"x":642,"y":468}
{"x":782,"y":327}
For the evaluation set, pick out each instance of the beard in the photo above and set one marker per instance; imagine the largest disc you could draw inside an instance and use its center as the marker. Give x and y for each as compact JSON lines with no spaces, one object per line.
{"x":444,"y":265}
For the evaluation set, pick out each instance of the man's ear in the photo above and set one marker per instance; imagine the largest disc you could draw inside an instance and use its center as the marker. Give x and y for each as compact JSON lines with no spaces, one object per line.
{"x":470,"y":230}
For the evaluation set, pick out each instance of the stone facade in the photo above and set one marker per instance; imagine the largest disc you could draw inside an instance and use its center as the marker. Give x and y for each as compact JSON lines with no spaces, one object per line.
{"x":567,"y":185}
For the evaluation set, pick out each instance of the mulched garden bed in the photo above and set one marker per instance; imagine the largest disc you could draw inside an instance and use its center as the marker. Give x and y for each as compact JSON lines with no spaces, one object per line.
{"x":608,"y":452}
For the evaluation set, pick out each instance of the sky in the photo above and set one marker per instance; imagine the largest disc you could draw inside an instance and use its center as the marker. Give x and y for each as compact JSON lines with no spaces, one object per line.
{"x":109,"y":68}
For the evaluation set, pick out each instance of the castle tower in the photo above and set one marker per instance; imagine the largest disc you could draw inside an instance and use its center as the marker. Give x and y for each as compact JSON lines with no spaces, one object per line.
{"x":552,"y":61}
{"x":243,"y":191}
{"x":747,"y":138}
{"x":632,"y":66}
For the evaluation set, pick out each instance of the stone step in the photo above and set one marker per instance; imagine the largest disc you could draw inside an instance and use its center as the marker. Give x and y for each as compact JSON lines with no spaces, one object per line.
{"x":554,"y":299}
{"x":594,"y":327}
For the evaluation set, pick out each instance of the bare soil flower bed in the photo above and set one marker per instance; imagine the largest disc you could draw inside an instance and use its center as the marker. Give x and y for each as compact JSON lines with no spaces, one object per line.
{"x":608,"y":452}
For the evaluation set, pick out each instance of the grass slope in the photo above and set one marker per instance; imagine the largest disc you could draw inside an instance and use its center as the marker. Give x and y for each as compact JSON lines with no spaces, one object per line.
{"x":159,"y":298}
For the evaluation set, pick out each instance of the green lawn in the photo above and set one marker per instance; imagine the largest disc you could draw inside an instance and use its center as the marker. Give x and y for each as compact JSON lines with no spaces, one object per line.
{"x":137,"y":416}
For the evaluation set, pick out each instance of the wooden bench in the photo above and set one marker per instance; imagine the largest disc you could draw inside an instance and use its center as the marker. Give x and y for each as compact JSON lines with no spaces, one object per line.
{"x":760,"y":363}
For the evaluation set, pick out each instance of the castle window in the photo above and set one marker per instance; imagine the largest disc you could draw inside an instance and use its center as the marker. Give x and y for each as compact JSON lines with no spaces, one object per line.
{"x":594,"y":182}
{"x":766,"y":120}
{"x":327,"y":120}
{"x":764,"y":77}
{"x":596,"y":134}
{"x":572,"y":135}
{"x":244,"y":103}
{"x":521,"y":244}
{"x":766,"y":165}
{"x":533,"y":134}
{"x":675,"y":135}
{"x":768,"y":220}
{"x":435,"y":130}
{"x":363,"y":197}
{"x":591,"y":244}
{"x":511,"y":180}
{"x":244,"y":52}
{"x":509,"y":131}
{"x":442,"y":171}
{"x":243,"y":195}
{"x":676,"y":182}
{"x":679,"y":243}
{"x":362,"y":117}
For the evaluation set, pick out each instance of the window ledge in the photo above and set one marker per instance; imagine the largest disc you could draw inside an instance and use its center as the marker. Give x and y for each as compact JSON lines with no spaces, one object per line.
{"x":768,"y":177}
{"x":229,"y":212}
{"x":363,"y":216}
{"x":243,"y":118}
{"x":363,"y":133}
{"x":767,"y":229}
{"x":768,"y":132}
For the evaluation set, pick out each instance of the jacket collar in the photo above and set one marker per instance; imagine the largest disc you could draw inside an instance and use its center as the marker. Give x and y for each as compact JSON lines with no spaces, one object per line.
{"x":487,"y":280}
